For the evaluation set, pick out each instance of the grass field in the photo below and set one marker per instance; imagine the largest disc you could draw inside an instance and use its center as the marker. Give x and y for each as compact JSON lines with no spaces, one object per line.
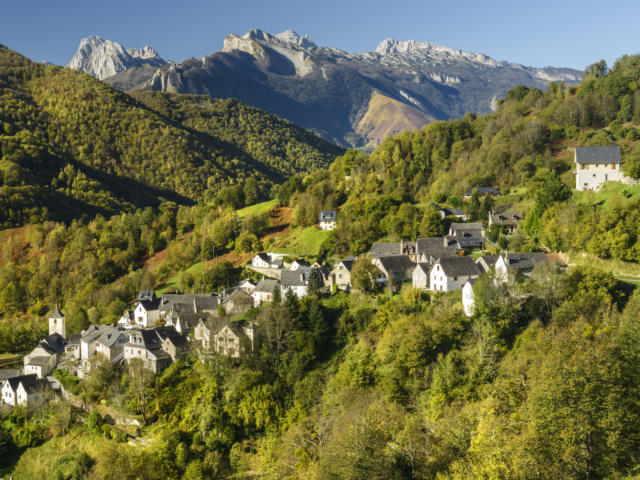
{"x":303,"y":241}
{"x":257,"y":208}
{"x":610,"y":191}
{"x":627,"y":271}
{"x":175,"y":280}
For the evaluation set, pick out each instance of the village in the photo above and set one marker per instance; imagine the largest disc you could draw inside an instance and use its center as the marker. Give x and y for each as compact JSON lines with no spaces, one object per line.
{"x":161,"y":329}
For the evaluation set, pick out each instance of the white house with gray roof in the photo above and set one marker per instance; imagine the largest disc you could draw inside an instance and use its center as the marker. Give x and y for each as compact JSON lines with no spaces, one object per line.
{"x":451,"y":273}
{"x":295,"y":281}
{"x":264,"y":291}
{"x":597,"y":165}
{"x":327,"y":220}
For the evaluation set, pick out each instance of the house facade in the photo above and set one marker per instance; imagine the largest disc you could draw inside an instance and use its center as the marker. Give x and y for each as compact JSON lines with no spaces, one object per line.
{"x":327,"y":220}
{"x":508,"y":219}
{"x":293,"y":280}
{"x":147,"y":313}
{"x":451,"y":273}
{"x":597,"y":165}
{"x":340,"y":276}
{"x":394,"y":269}
{"x":420,"y":276}
{"x":22,"y":390}
{"x":509,"y":266}
{"x":264,"y":291}
{"x":267,"y":260}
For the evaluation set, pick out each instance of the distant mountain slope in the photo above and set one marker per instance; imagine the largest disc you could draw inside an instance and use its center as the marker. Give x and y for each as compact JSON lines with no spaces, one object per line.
{"x":338,"y":94}
{"x":70,"y":145}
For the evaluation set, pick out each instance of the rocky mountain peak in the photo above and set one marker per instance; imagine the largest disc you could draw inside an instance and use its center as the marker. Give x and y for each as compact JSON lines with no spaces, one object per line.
{"x":145,"y":52}
{"x":290,"y":36}
{"x":104,"y":58}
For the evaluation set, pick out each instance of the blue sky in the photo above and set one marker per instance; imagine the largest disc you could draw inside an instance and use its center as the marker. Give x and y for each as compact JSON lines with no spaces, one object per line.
{"x":559,"y":33}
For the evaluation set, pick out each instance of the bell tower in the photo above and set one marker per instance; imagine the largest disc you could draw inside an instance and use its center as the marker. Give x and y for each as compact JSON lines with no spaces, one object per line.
{"x":56,"y":323}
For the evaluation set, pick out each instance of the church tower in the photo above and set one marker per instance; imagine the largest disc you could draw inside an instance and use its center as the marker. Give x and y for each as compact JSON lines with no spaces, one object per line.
{"x":56,"y":322}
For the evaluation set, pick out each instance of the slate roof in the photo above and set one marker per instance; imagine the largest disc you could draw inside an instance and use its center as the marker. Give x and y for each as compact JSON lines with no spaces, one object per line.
{"x":108,"y":339}
{"x":348,"y":263}
{"x":487,"y":261}
{"x":146,"y":295}
{"x":435,"y":247}
{"x":74,"y":340}
{"x":470,"y":242}
{"x":29,"y":382}
{"x":6,"y":373}
{"x":266,"y":285}
{"x":292,"y":278}
{"x":509,"y":217}
{"x":586,"y":155}
{"x":264,"y":257}
{"x":396,"y":263}
{"x":466,"y":229}
{"x":525,"y":261}
{"x":56,"y":313}
{"x":452,"y":211}
{"x":328,"y":216}
{"x":385,"y":249}
{"x":188,"y":302}
{"x":151,"y":304}
{"x":425,"y":267}
{"x":457,"y":266}
{"x":93,"y":332}
{"x":56,"y":342}
{"x":40,"y":361}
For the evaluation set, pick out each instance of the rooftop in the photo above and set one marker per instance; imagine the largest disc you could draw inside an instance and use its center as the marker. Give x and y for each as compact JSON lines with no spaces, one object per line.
{"x":586,"y":155}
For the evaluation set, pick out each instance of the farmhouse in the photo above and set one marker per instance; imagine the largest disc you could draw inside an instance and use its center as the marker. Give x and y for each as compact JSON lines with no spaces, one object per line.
{"x":340,"y":276}
{"x":482,"y":192}
{"x":452,"y":212}
{"x":393,"y":269}
{"x":264,"y":291}
{"x":23,"y":390}
{"x":293,"y":280}
{"x":597,"y":165}
{"x":450,"y":273}
{"x":146,"y":312}
{"x":508,"y":219}
{"x":328,"y":219}
{"x":267,"y":260}
{"x":509,"y":266}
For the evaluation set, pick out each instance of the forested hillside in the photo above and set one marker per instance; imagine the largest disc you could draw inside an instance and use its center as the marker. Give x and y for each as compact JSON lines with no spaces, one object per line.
{"x":542,"y":381}
{"x":71,"y":145}
{"x":525,"y":149}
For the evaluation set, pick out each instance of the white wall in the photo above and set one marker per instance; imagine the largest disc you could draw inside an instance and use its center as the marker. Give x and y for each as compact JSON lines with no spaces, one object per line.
{"x":439,"y":282}
{"x":468,"y":299}
{"x":592,"y":176}
{"x":420,"y":278}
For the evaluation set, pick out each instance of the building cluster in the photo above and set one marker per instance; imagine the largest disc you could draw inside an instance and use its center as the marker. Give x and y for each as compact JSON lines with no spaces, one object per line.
{"x":158,"y":331}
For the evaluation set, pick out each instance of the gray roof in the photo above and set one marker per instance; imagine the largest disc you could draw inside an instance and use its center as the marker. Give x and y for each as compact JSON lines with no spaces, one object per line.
{"x":29,"y":382}
{"x":146,"y":295}
{"x":55,"y":342}
{"x":452,"y":211}
{"x":348,"y":263}
{"x":265,"y":257}
{"x":525,"y":261}
{"x":56,"y":313}
{"x":150,"y":304}
{"x":385,"y":249}
{"x":74,"y":340}
{"x":328,"y":216}
{"x":188,"y":302}
{"x":466,"y":229}
{"x":509,"y":217}
{"x":40,"y":361}
{"x":6,"y":373}
{"x":93,"y":332}
{"x":108,"y":339}
{"x":487,"y":261}
{"x":292,"y":278}
{"x":597,"y":154}
{"x":266,"y":285}
{"x":396,"y":263}
{"x":457,"y":266}
{"x":435,"y":247}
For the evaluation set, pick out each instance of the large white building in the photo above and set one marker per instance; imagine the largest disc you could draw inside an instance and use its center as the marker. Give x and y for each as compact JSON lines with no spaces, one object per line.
{"x":597,"y":165}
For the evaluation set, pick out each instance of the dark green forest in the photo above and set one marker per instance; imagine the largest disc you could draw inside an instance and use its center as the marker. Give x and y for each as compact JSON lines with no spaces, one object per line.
{"x":71,"y":145}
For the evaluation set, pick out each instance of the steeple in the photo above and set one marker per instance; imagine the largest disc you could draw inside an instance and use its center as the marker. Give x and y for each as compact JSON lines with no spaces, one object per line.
{"x":57,"y":323}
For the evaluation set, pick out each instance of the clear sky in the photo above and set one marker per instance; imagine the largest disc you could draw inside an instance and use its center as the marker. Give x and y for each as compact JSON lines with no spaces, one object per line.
{"x":546,"y":32}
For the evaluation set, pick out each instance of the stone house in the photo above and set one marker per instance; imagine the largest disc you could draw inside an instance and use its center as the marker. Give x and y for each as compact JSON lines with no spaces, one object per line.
{"x":508,"y":219}
{"x":264,"y":291}
{"x":327,"y":220}
{"x":451,"y":273}
{"x":420,"y":276}
{"x":231,"y":339}
{"x":340,"y":276}
{"x":23,"y":390}
{"x":293,"y":280}
{"x":597,"y":165}
{"x":394,"y":269}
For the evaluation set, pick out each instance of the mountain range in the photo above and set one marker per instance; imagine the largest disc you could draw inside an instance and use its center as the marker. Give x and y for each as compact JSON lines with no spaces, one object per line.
{"x":352,"y":99}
